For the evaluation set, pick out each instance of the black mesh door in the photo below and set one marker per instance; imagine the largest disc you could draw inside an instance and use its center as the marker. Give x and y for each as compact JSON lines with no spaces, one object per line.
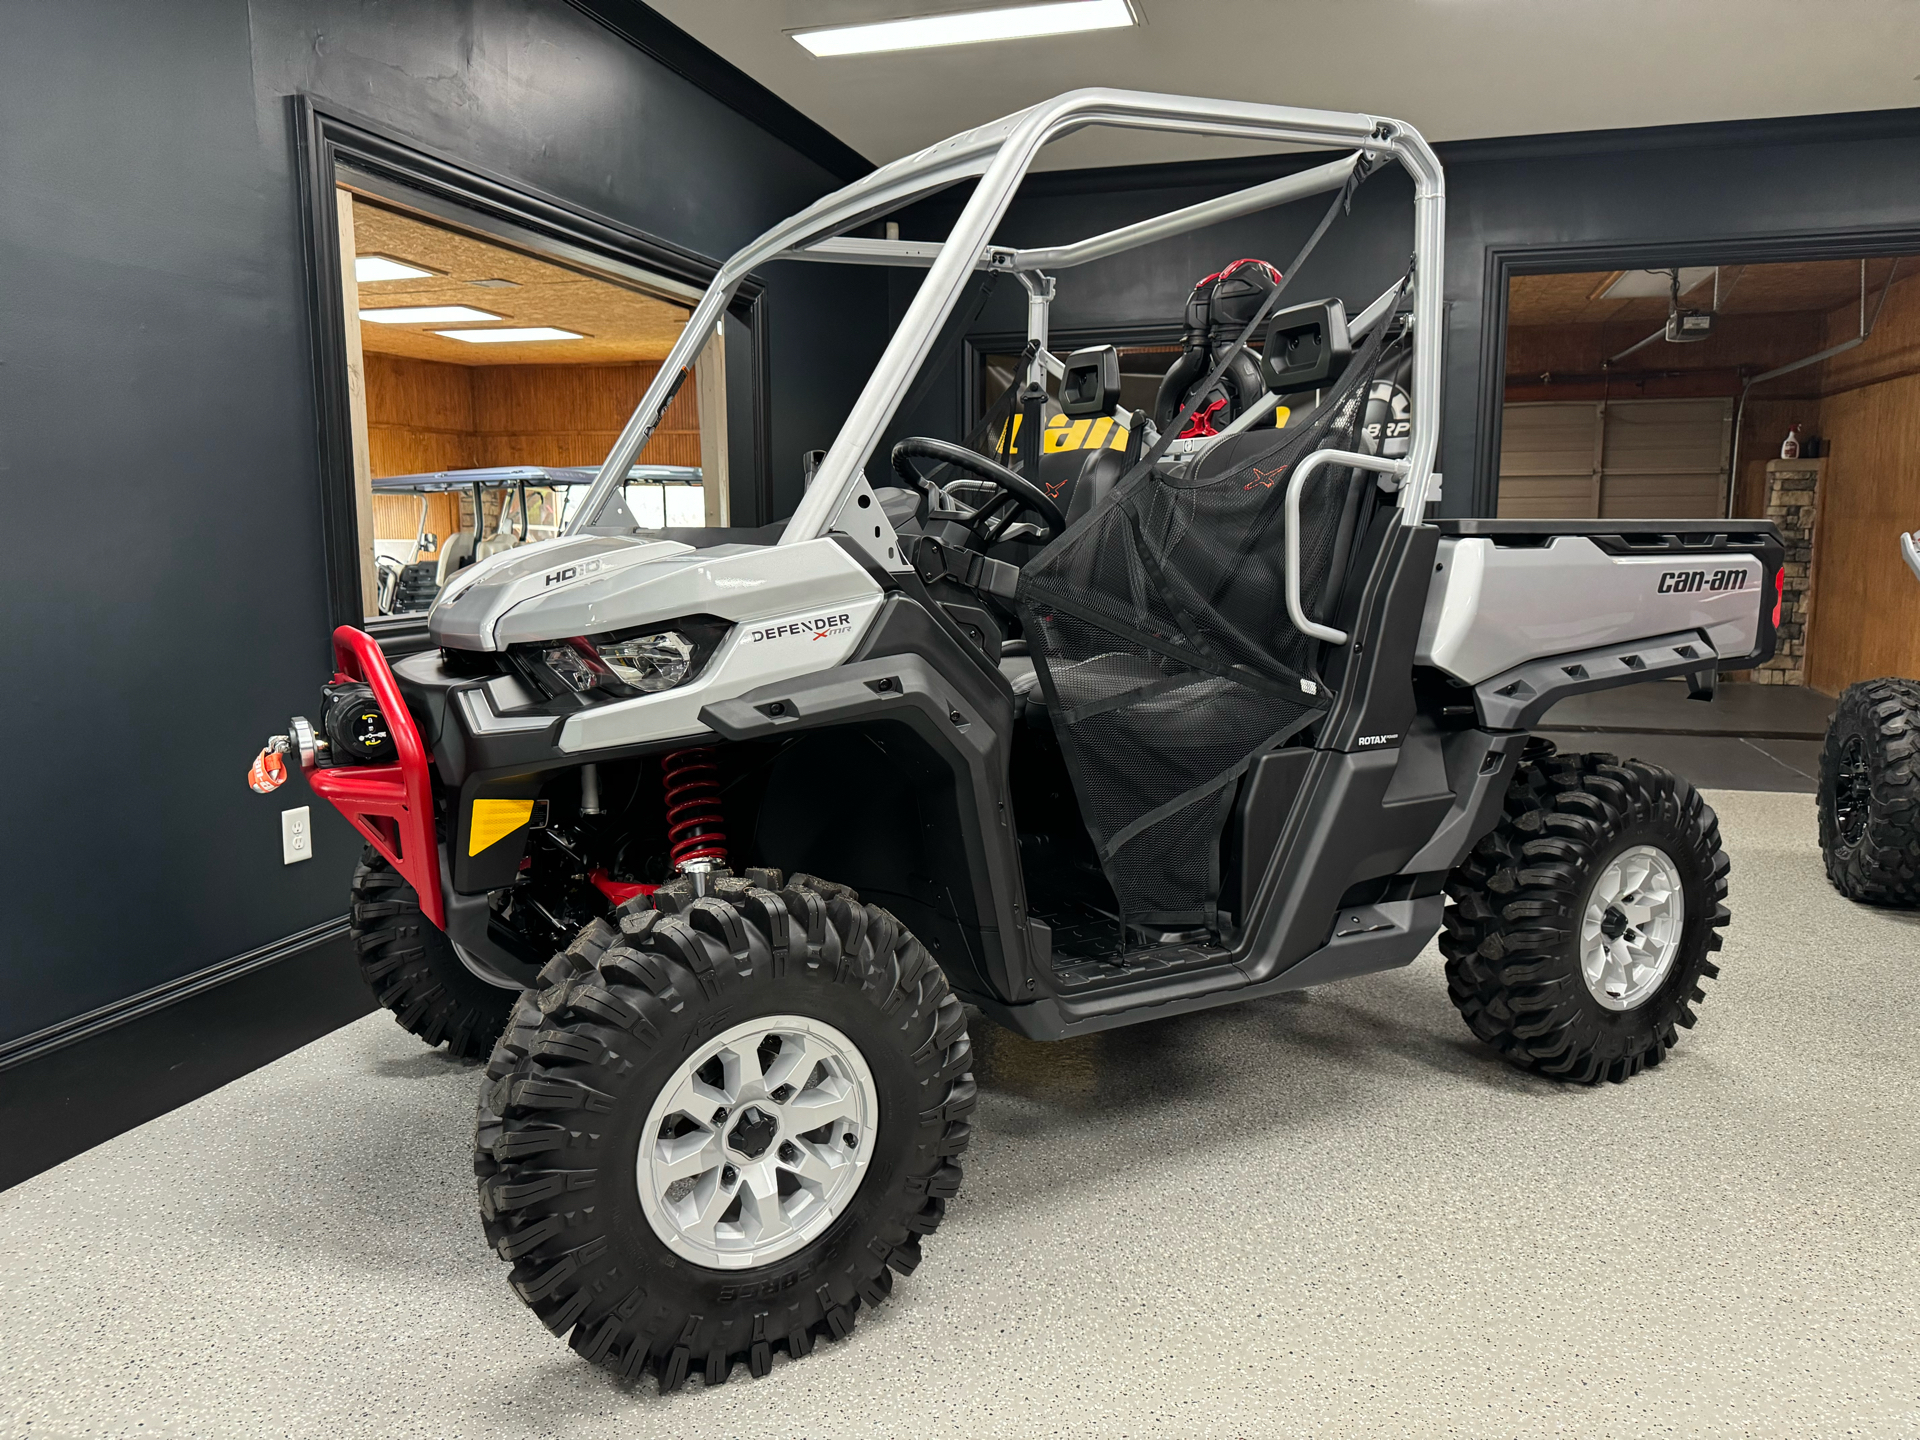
{"x":1160,"y":630}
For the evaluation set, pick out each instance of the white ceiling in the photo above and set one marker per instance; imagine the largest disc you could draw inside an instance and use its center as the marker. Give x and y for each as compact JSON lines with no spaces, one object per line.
{"x":1456,"y":69}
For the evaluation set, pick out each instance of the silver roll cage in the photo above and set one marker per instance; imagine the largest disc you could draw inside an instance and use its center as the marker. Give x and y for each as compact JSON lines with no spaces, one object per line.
{"x":998,"y":156}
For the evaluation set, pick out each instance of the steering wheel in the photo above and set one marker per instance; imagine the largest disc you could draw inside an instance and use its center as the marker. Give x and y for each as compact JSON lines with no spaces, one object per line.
{"x":1012,"y":486}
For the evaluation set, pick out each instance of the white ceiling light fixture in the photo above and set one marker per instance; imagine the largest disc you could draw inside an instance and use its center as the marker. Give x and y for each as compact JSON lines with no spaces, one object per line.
{"x":426,"y":314}
{"x":512,"y":333}
{"x":1640,"y":284}
{"x":968,"y":27}
{"x":385,"y":267}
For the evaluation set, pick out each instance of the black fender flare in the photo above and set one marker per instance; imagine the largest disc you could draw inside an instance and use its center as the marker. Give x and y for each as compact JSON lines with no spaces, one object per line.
{"x":970,"y":726}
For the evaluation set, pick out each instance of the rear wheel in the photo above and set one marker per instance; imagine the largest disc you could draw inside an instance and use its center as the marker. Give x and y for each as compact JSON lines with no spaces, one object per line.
{"x":723,"y":1126}
{"x":1870,"y":814}
{"x":414,"y":970}
{"x":1579,"y":931}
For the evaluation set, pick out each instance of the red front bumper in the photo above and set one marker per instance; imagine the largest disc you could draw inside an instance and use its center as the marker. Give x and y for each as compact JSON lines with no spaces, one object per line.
{"x":392,"y":805}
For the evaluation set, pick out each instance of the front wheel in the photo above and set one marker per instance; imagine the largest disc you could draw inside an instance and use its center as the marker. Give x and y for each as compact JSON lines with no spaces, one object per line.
{"x":1578,"y":931}
{"x":414,"y":970}
{"x":721,"y":1127}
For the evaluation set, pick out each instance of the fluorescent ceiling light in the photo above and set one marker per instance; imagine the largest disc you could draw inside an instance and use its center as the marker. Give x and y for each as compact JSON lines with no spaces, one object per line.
{"x":968,"y":27}
{"x":1634,"y":284}
{"x":426,"y":314}
{"x":384,"y":267}
{"x":522,"y":332}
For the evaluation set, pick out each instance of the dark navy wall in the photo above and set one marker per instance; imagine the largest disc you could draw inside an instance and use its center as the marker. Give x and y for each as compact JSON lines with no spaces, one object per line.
{"x":1682,"y":186}
{"x":160,"y":561}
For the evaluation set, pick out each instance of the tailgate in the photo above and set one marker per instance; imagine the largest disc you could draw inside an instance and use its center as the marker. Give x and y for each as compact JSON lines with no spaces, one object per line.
{"x":1506,"y":592}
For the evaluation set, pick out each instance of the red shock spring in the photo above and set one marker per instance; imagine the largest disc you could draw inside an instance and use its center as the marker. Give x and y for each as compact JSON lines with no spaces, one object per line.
{"x":695,"y":823}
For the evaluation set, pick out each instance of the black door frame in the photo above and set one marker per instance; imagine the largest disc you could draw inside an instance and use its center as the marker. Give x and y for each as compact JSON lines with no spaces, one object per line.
{"x":1502,"y":263}
{"x":329,"y":140}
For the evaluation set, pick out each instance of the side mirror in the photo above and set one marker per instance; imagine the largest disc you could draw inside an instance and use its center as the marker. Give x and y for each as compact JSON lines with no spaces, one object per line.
{"x":1307,"y":346}
{"x":1091,"y":381}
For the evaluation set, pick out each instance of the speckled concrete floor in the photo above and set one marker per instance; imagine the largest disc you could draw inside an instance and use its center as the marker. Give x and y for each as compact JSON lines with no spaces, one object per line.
{"x":1330,"y":1214}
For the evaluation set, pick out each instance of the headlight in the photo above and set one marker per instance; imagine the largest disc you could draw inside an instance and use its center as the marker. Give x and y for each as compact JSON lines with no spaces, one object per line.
{"x":646,"y":660}
{"x":650,"y":662}
{"x":572,"y":663}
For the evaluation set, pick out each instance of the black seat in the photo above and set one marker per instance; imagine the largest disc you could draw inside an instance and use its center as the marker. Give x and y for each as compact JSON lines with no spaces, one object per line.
{"x":1099,"y":474}
{"x":1218,"y":310}
{"x":1029,"y":702}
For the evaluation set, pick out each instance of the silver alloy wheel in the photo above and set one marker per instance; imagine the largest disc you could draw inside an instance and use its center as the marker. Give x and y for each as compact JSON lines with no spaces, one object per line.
{"x":757,"y":1141}
{"x":1631,"y":927}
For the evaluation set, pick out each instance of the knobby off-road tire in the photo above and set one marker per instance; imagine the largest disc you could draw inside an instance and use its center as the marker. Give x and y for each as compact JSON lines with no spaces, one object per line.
{"x":1870,"y":811}
{"x":1513,"y":929}
{"x":565,"y":1107}
{"x":410,"y":965}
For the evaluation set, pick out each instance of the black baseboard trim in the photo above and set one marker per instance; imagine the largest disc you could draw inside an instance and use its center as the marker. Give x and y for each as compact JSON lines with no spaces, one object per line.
{"x":74,"y":1086}
{"x":144,"y":1003}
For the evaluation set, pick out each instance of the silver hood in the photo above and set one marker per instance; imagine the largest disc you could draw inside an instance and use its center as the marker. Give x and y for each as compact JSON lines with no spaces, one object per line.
{"x":589,"y":584}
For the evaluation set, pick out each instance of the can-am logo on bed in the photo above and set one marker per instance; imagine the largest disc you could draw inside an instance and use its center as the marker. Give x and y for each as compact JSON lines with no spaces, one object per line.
{"x":1686,"y":582}
{"x":819,"y":628}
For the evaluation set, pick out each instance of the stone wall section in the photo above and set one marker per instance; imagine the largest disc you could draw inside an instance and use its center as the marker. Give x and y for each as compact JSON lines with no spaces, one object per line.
{"x":1791,"y":487}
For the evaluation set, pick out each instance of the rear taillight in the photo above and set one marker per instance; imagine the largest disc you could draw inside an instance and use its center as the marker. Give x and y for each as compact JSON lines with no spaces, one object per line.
{"x":1780,"y":581}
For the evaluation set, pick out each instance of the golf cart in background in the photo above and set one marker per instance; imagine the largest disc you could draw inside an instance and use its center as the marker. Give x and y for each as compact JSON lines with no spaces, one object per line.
{"x":510,"y":505}
{"x":1186,"y":714}
{"x":1869,"y":795}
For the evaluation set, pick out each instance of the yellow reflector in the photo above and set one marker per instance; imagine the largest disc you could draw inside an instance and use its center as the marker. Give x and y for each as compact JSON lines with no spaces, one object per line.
{"x":495,"y":819}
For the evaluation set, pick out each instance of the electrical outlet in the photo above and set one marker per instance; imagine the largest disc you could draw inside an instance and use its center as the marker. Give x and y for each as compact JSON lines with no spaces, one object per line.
{"x":296,"y":836}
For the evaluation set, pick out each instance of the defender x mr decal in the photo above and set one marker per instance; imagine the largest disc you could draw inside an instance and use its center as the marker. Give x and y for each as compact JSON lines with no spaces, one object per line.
{"x":817,"y":629}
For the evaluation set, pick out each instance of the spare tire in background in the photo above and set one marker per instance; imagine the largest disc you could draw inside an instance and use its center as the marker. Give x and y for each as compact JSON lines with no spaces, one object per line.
{"x":1869,"y":809}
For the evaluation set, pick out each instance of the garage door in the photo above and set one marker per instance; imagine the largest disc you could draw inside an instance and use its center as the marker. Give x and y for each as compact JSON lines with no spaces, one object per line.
{"x":1625,"y":459}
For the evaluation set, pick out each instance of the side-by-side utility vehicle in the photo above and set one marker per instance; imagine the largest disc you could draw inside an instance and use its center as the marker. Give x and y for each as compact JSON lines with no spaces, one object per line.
{"x":707,"y":840}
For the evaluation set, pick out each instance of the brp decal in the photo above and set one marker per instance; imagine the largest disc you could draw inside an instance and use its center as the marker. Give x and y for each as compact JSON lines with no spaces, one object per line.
{"x":818,"y":628}
{"x":1388,"y":425}
{"x":1686,"y":582}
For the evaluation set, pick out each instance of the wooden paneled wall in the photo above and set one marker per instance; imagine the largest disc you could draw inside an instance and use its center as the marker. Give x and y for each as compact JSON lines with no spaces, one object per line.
{"x":572,"y":414}
{"x":1864,"y":614}
{"x":1765,"y":422}
{"x":1887,"y":353}
{"x":425,"y":415}
{"x":420,"y":415}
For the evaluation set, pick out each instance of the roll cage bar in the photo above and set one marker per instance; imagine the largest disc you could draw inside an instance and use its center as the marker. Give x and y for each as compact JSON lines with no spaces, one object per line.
{"x":998,"y":155}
